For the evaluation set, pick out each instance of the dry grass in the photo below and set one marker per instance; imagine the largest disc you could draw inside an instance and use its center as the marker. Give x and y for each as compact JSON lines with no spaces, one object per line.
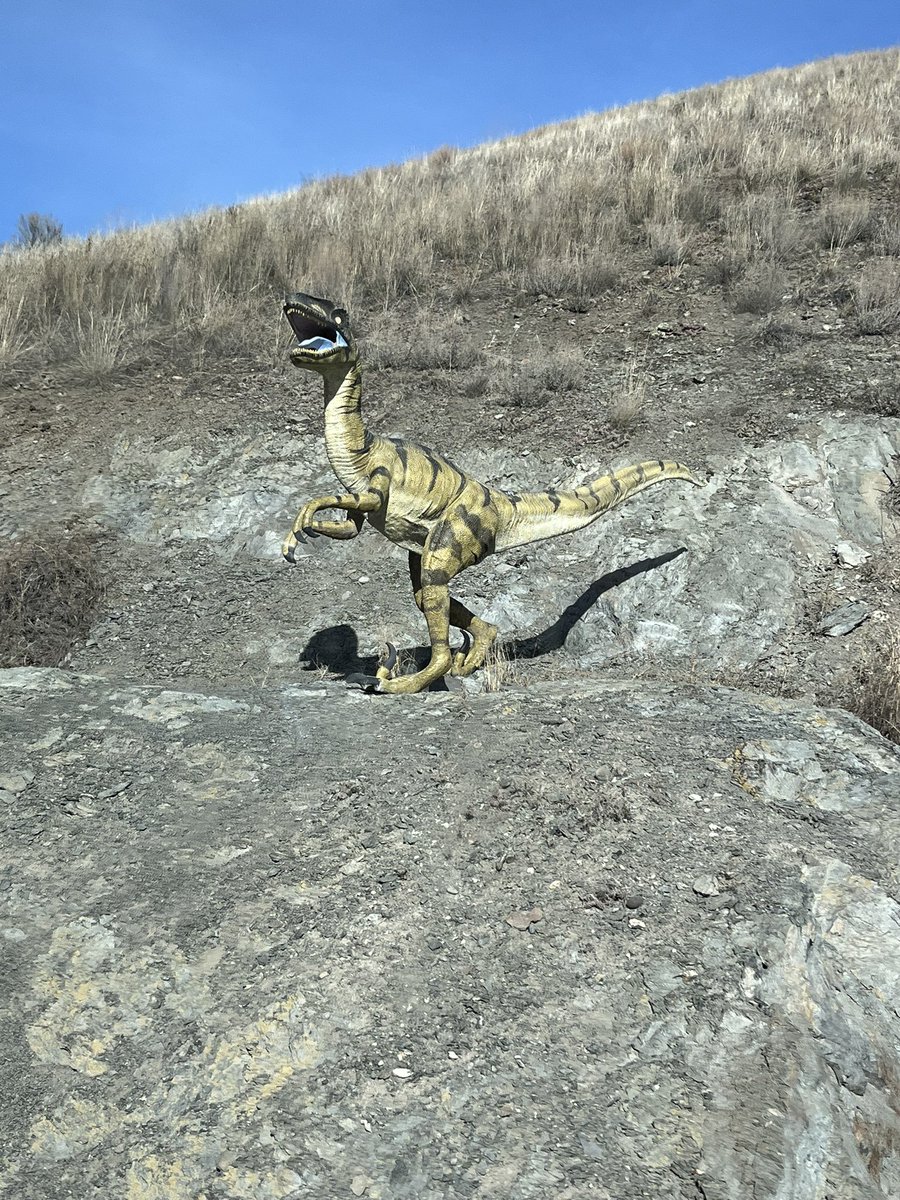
{"x":875,"y":693}
{"x":425,"y":341}
{"x":500,"y":671}
{"x":564,"y":209}
{"x":626,"y":406}
{"x":579,"y":275}
{"x":843,"y":220}
{"x":761,"y":290}
{"x":50,"y":588}
{"x":526,"y":383}
{"x":669,"y":245}
{"x":876,"y":297}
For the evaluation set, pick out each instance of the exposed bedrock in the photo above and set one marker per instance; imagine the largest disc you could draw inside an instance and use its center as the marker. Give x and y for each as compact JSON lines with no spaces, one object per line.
{"x":626,"y":942}
{"x":749,"y":541}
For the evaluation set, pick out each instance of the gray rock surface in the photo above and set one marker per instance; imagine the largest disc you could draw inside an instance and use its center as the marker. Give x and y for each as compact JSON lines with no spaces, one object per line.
{"x":715,"y":577}
{"x":258,"y":944}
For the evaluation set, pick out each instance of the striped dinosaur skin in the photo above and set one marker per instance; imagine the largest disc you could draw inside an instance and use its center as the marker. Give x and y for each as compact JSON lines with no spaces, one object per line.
{"x":441,"y":515}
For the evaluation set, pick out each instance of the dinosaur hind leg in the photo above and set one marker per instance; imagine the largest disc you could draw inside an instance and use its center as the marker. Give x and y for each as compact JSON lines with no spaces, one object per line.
{"x":483,"y":636}
{"x":478,"y":635}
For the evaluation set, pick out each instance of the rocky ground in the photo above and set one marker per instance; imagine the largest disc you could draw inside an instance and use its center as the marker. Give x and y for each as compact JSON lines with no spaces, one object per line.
{"x":617,"y":918}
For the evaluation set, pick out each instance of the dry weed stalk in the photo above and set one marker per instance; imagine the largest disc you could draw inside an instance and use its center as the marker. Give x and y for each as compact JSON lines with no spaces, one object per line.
{"x":627,"y":405}
{"x":876,"y":691}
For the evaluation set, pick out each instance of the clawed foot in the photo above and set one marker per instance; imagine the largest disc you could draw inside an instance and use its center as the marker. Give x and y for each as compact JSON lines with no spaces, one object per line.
{"x":387,"y":669}
{"x":293,"y":540}
{"x":459,"y":656}
{"x":367,"y":683}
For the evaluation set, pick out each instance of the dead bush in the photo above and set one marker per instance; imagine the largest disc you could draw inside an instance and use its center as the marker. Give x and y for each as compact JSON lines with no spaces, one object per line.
{"x":723,"y":272}
{"x":763,"y":226}
{"x":875,"y":689}
{"x":760,"y":291}
{"x":588,"y":274}
{"x":50,"y":588}
{"x":843,"y":220}
{"x":669,"y":245}
{"x":887,"y":235}
{"x":879,"y":396}
{"x":876,"y":297}
{"x":775,"y":333}
{"x":427,"y":342}
{"x":525,"y":384}
{"x":628,"y":403}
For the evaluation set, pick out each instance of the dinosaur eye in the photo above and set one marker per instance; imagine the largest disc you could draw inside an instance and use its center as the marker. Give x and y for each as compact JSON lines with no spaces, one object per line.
{"x":337,"y":320}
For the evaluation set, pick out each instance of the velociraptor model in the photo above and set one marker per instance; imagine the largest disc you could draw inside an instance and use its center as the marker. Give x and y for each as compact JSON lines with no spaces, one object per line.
{"x":445,"y":519}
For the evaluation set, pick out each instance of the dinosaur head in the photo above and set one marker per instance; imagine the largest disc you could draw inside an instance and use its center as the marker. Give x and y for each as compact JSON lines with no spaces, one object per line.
{"x":322,"y":329}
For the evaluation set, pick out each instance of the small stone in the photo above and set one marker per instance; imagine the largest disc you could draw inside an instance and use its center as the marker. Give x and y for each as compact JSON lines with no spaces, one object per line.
{"x":634,"y":901}
{"x":844,"y":619}
{"x":705,"y":885}
{"x":108,"y":793}
{"x":359,"y":1184}
{"x":849,"y":555}
{"x":16,"y":781}
{"x":522,"y":920}
{"x":402,"y":1072}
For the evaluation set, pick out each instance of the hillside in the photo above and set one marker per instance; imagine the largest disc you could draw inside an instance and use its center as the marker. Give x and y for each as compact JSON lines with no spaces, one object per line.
{"x":259,"y":933}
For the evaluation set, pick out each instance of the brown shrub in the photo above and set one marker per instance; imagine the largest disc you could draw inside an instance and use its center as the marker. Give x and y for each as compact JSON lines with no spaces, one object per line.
{"x":525,"y":384}
{"x":760,"y":291}
{"x":875,"y":690}
{"x":669,"y":246}
{"x":843,"y":220}
{"x":50,"y":589}
{"x":876,"y":297}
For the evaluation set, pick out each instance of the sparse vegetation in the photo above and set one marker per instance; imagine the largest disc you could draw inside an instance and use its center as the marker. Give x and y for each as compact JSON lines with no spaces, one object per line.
{"x":561,"y":211}
{"x":499,"y":669}
{"x":875,"y":694}
{"x":844,"y":220}
{"x":669,"y":247}
{"x":50,"y":588}
{"x":876,"y":297}
{"x":526,"y":382}
{"x":38,"y":229}
{"x":430,"y":341}
{"x":628,"y":402}
{"x":761,"y":290}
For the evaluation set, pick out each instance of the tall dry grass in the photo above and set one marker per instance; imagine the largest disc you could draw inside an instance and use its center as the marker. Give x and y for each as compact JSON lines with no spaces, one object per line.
{"x":558,"y":209}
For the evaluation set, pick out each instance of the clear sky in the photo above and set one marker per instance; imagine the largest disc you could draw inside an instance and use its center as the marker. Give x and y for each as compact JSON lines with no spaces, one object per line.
{"x":114,"y":112}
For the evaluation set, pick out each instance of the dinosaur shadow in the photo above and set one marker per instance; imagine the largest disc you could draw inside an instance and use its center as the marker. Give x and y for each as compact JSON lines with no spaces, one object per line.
{"x":336,"y":649}
{"x":554,"y":636}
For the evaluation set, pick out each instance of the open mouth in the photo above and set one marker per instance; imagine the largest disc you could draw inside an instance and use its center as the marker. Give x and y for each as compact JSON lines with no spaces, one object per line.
{"x":312,"y":333}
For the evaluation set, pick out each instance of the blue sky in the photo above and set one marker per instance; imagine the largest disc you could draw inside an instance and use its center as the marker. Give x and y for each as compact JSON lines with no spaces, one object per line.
{"x":118,"y":113}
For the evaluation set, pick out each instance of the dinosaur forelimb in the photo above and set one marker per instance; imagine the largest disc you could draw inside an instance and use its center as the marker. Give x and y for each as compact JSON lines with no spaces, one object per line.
{"x":356,"y":507}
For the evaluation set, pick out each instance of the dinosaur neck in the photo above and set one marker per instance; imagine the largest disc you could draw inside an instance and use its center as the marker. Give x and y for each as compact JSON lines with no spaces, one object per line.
{"x":346,"y":438}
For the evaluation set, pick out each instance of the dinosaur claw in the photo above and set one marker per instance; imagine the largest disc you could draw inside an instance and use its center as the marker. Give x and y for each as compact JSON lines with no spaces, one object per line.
{"x":389,"y":656}
{"x":367,"y":683}
{"x":289,"y":553}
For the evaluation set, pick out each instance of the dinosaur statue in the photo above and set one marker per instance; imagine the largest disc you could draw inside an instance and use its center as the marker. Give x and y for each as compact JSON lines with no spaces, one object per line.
{"x":442,"y":516}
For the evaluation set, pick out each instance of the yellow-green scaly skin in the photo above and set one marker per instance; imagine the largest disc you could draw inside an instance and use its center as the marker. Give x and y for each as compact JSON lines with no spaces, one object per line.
{"x":446,"y":519}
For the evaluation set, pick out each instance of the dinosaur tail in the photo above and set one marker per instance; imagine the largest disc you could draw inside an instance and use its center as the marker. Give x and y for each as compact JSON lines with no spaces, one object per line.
{"x":537,"y":515}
